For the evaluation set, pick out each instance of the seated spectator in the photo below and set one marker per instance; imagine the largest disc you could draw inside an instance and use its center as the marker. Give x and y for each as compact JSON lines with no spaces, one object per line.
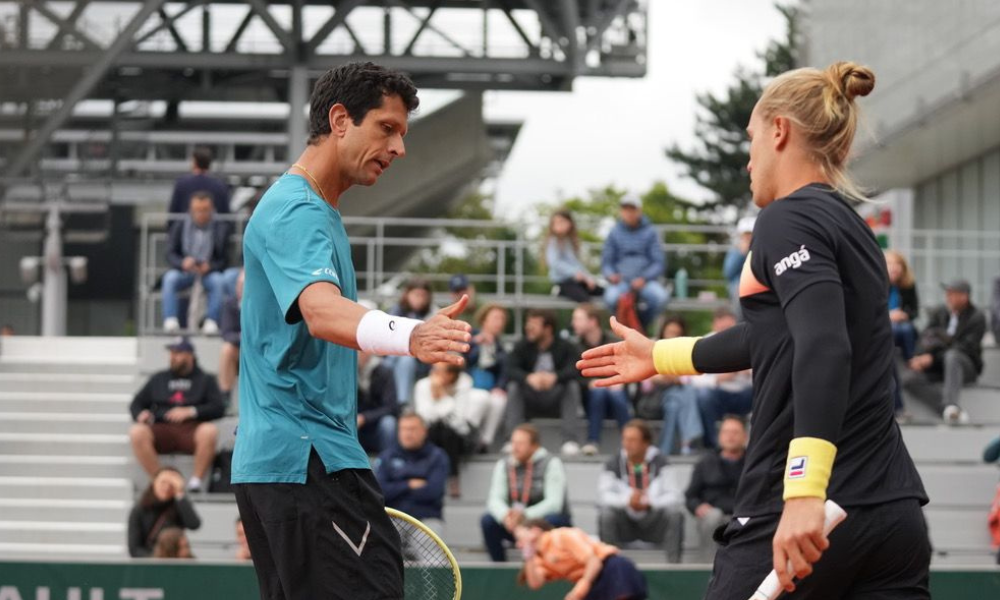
{"x":197,"y":249}
{"x":412,"y":473}
{"x":447,"y":402}
{"x":415,"y":303}
{"x":229,"y":356}
{"x":678,"y":401}
{"x":377,"y":406}
{"x":904,"y":308}
{"x":711,"y":494}
{"x":561,"y":256}
{"x":732,"y":264}
{"x":172,"y":413}
{"x":199,"y":180}
{"x":601,"y":403}
{"x":487,"y":364}
{"x":459,"y":285}
{"x":639,"y":498}
{"x":172,"y":543}
{"x":633,"y":262}
{"x":242,"y":546}
{"x":163,"y":505}
{"x":722,"y":394}
{"x":596,"y":570}
{"x":543,"y":379}
{"x":950,"y":353}
{"x":529,"y":483}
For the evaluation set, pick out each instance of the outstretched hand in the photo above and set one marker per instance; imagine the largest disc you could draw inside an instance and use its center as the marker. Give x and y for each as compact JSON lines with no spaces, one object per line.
{"x":442,"y":338}
{"x":627,"y":361}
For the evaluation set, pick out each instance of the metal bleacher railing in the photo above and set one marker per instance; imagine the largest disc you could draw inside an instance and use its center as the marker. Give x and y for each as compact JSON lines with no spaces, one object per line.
{"x":374,"y":240}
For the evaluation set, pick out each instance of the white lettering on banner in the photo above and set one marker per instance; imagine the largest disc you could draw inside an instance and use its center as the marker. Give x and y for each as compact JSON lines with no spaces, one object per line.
{"x":140,"y":594}
{"x":9,"y":592}
{"x":792,"y":261}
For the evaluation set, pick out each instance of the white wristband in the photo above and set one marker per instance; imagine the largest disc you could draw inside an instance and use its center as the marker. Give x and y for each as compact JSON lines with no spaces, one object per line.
{"x":385,"y":335}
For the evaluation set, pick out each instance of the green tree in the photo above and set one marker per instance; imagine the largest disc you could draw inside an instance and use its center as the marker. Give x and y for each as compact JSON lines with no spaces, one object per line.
{"x":718,"y":161}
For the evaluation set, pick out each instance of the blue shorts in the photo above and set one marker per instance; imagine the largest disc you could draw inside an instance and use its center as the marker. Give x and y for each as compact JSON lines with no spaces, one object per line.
{"x":619,"y":580}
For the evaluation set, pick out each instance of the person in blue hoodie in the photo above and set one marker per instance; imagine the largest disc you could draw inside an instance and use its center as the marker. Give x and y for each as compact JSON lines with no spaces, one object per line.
{"x":633,"y":260}
{"x":413,"y":473}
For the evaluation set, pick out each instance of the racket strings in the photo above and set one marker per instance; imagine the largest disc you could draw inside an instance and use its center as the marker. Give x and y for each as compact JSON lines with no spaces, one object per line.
{"x":428,"y":569}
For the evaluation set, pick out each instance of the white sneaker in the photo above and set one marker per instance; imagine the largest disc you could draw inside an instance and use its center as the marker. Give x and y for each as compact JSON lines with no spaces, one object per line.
{"x":171,"y":325}
{"x":954,"y":415}
{"x":210,"y":327}
{"x":590,"y":449}
{"x":570,"y":449}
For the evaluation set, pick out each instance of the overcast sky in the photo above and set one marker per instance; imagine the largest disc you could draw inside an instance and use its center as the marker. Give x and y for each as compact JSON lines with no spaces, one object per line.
{"x":614,"y":130}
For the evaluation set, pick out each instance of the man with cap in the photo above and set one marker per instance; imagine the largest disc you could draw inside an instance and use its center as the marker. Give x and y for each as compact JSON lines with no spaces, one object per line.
{"x":459,"y":285}
{"x":173,"y":414}
{"x":633,"y":261}
{"x":949,"y":353}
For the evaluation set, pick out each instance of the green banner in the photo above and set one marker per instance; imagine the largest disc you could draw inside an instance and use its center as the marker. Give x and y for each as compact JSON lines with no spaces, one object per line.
{"x":181,"y":580}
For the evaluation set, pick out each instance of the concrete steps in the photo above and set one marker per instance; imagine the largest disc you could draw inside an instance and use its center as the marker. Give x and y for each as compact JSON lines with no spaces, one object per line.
{"x":78,"y":511}
{"x":57,"y":403}
{"x":58,"y":532}
{"x":65,"y":444}
{"x":56,"y":423}
{"x":55,"y":488}
{"x":99,"y":383}
{"x":27,"y":465}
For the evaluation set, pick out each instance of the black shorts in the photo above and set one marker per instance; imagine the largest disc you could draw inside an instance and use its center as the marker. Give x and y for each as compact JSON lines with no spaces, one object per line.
{"x":330,"y":538}
{"x":879,"y":552}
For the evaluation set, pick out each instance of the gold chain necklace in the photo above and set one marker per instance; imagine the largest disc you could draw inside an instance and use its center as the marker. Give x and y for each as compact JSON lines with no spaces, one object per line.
{"x":319,"y":188}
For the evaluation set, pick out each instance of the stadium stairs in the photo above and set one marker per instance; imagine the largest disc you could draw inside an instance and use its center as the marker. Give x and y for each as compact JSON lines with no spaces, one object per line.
{"x":68,"y":479}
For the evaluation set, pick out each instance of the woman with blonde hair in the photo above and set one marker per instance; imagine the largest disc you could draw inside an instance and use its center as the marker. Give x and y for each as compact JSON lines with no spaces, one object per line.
{"x":904,"y":307}
{"x":818,"y":337}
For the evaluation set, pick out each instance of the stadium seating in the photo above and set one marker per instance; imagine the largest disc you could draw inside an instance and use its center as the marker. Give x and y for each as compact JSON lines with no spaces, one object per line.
{"x":68,"y":480}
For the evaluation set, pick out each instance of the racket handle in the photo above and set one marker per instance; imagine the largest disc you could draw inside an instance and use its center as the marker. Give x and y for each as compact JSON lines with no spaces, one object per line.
{"x":769,"y":588}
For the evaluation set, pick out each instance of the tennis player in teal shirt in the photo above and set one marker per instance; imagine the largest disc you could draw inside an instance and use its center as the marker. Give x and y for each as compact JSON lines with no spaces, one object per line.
{"x":312,"y":510}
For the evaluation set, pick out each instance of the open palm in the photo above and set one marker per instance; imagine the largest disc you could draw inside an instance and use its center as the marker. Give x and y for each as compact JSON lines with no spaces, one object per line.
{"x":627,"y":361}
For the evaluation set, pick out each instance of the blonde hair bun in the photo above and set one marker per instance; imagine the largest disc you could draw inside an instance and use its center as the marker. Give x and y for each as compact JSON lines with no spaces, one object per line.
{"x":851,"y":79}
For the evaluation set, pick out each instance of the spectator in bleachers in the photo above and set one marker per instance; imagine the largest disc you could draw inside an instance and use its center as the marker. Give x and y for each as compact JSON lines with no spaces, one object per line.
{"x":459,"y":285}
{"x":448,"y":403}
{"x":242,"y":547}
{"x":722,"y":394}
{"x":711,"y":494}
{"x":229,"y":355}
{"x":172,"y":543}
{"x":639,"y":497}
{"x":529,"y":483}
{"x":601,"y":403}
{"x":199,"y":180}
{"x":904,"y":307}
{"x":678,"y":400}
{"x":164,"y":504}
{"x":732,"y":265}
{"x":412,"y":473}
{"x":173,"y":413}
{"x":377,"y":406}
{"x":543,"y":379}
{"x":197,"y":249}
{"x":561,"y":256}
{"x":596,"y":570}
{"x":487,"y":364}
{"x":415,"y":303}
{"x":950,"y":353}
{"x":7,"y":330}
{"x":633,"y":262}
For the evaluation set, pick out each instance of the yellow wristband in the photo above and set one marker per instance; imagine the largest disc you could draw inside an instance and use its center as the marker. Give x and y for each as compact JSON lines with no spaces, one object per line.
{"x":807,"y":472}
{"x":675,"y":356}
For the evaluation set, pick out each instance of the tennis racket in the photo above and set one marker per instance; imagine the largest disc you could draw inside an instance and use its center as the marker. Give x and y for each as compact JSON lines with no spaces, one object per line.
{"x":430,"y":570}
{"x":769,"y":588}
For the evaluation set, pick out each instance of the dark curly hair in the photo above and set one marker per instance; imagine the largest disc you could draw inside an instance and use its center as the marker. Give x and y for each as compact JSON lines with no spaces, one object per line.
{"x":360,"y":87}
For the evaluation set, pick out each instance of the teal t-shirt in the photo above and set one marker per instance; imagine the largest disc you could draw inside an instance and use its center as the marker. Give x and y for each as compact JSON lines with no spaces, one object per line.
{"x":297,"y":392}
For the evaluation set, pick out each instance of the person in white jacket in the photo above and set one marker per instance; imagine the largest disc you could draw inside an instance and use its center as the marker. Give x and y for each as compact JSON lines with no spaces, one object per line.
{"x":639,"y":497}
{"x":453,"y":410}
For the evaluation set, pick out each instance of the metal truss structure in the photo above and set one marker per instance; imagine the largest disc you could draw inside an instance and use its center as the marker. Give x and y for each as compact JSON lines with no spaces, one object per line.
{"x":55,"y":54}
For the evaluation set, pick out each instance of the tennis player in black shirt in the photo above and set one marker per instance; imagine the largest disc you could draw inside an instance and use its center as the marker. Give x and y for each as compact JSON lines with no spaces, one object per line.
{"x":814,"y":294}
